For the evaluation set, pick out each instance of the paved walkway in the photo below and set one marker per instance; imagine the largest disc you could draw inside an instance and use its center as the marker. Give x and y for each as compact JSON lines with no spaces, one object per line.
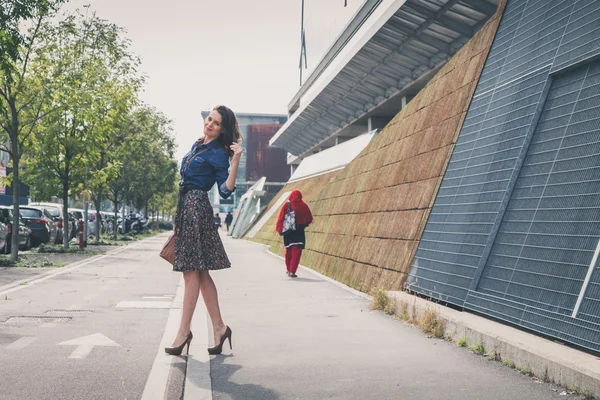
{"x":309,"y":338}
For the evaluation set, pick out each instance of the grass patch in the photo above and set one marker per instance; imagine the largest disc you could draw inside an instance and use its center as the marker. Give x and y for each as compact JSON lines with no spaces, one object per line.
{"x":381,"y":301}
{"x":403,"y":312}
{"x":448,"y":337}
{"x":492,"y":356}
{"x":431,"y":324}
{"x":390,"y":308}
{"x":462,"y":342}
{"x":477,"y":348}
{"x":26,"y":262}
{"x":105,"y":240}
{"x":59,"y":249}
{"x":587,"y":394}
{"x":508,"y":363}
{"x":545,"y":377}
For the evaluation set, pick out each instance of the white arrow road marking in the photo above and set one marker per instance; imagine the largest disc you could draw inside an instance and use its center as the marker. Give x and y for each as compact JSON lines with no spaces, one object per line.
{"x":86,"y":344}
{"x":21,"y":343}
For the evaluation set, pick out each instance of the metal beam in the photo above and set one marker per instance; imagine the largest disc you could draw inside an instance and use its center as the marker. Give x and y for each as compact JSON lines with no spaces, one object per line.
{"x":481,"y":6}
{"x":442,"y":21}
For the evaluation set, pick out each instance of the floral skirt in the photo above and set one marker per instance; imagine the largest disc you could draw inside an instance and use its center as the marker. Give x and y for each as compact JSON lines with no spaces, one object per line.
{"x":198,"y":245}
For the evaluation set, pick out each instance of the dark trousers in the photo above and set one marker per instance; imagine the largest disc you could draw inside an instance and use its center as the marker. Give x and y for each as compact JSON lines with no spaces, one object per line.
{"x":292,"y":258}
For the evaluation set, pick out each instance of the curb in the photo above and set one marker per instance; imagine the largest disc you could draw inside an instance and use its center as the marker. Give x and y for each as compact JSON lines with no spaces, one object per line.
{"x":554,"y":362}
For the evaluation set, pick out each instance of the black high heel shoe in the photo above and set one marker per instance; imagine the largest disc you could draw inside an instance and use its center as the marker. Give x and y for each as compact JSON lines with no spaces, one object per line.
{"x":218,"y":349}
{"x":176,"y":351}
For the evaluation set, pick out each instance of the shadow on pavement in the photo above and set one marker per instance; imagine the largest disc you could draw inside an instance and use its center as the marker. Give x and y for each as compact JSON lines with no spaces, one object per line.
{"x":301,"y":279}
{"x":223,"y":388}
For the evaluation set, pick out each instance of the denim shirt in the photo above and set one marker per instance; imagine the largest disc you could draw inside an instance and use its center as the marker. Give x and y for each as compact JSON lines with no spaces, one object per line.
{"x":207,"y":168}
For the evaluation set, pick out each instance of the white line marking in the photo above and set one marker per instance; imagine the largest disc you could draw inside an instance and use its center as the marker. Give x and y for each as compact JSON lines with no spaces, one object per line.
{"x":21,"y":343}
{"x":156,"y":384}
{"x":198,"y":385}
{"x":144,"y":304}
{"x":86,"y":344}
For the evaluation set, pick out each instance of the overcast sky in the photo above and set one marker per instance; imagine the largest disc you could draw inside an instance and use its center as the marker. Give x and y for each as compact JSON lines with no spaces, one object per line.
{"x":241,"y":53}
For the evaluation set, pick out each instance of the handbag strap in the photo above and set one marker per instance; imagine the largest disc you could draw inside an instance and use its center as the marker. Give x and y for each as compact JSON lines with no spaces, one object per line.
{"x":289,"y":206}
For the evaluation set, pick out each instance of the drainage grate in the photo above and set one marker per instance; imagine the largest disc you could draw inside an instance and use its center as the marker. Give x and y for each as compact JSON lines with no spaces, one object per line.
{"x":36,"y":320}
{"x":69,"y":312}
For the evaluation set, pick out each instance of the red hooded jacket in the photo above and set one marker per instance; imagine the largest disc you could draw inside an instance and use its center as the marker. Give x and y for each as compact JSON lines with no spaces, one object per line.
{"x":300,"y":208}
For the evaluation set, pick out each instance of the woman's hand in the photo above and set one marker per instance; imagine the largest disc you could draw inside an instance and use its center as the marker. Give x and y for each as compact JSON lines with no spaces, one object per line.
{"x":237,"y":151}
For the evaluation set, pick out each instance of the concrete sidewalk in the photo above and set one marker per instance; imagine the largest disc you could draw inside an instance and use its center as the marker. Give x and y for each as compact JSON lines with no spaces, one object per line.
{"x":309,"y":338}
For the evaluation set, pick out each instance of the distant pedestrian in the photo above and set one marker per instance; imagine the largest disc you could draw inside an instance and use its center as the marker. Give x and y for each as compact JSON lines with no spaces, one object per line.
{"x":217,"y":220}
{"x":294,"y":240}
{"x":198,"y":246}
{"x":228,"y":220}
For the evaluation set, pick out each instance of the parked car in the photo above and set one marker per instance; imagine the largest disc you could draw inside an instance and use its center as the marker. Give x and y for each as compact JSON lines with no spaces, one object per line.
{"x":4,"y":249}
{"x":78,"y":214}
{"x":6,"y":217}
{"x":56,"y":212}
{"x":42,"y":225}
{"x":108,"y":220}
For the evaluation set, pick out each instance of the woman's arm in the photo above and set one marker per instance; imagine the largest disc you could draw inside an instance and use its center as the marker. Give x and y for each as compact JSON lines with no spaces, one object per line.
{"x":235,"y":163}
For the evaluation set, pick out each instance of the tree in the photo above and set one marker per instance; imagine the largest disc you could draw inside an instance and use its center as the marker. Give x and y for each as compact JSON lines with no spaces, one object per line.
{"x":92,"y":73}
{"x":147,"y":159}
{"x":22,"y":96}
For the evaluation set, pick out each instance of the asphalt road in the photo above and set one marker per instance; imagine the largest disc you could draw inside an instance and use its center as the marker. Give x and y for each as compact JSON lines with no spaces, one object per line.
{"x":65,"y":338}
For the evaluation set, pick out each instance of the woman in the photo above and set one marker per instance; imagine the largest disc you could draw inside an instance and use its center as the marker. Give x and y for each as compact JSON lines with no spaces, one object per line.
{"x":295,"y":240}
{"x":198,"y":247}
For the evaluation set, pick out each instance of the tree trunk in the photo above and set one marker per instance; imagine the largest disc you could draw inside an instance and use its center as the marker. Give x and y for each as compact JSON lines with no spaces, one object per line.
{"x":16,"y":182}
{"x":65,"y":222}
{"x":97,"y":202}
{"x":116,"y":208}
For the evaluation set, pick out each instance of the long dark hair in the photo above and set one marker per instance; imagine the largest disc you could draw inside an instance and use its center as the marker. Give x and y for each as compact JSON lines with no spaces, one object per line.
{"x":230,"y":128}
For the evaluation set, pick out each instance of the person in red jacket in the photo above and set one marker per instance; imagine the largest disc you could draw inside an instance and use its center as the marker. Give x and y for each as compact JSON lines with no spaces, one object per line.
{"x":294,"y":240}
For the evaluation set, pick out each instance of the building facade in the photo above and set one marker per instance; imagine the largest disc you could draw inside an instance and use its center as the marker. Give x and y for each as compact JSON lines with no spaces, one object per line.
{"x":256,"y":130}
{"x":481,"y":191}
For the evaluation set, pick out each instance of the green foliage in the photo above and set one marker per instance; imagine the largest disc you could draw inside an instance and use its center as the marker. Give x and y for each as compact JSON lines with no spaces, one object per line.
{"x":462,"y":342}
{"x":477,"y":348}
{"x":13,"y":38}
{"x":70,"y":113}
{"x":26,"y":262}
{"x":51,"y":248}
{"x":380,"y":300}
{"x":431,"y":324}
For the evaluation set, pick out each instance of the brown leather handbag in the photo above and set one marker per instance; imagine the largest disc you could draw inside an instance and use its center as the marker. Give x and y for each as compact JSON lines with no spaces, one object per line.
{"x":168,"y":250}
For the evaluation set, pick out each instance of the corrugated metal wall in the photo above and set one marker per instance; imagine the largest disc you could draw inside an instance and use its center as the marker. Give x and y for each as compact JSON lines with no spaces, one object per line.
{"x":514,"y":230}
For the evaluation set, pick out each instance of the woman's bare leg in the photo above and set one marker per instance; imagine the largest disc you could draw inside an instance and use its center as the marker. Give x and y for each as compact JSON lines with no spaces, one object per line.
{"x":190,"y":298}
{"x":211,"y":300}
